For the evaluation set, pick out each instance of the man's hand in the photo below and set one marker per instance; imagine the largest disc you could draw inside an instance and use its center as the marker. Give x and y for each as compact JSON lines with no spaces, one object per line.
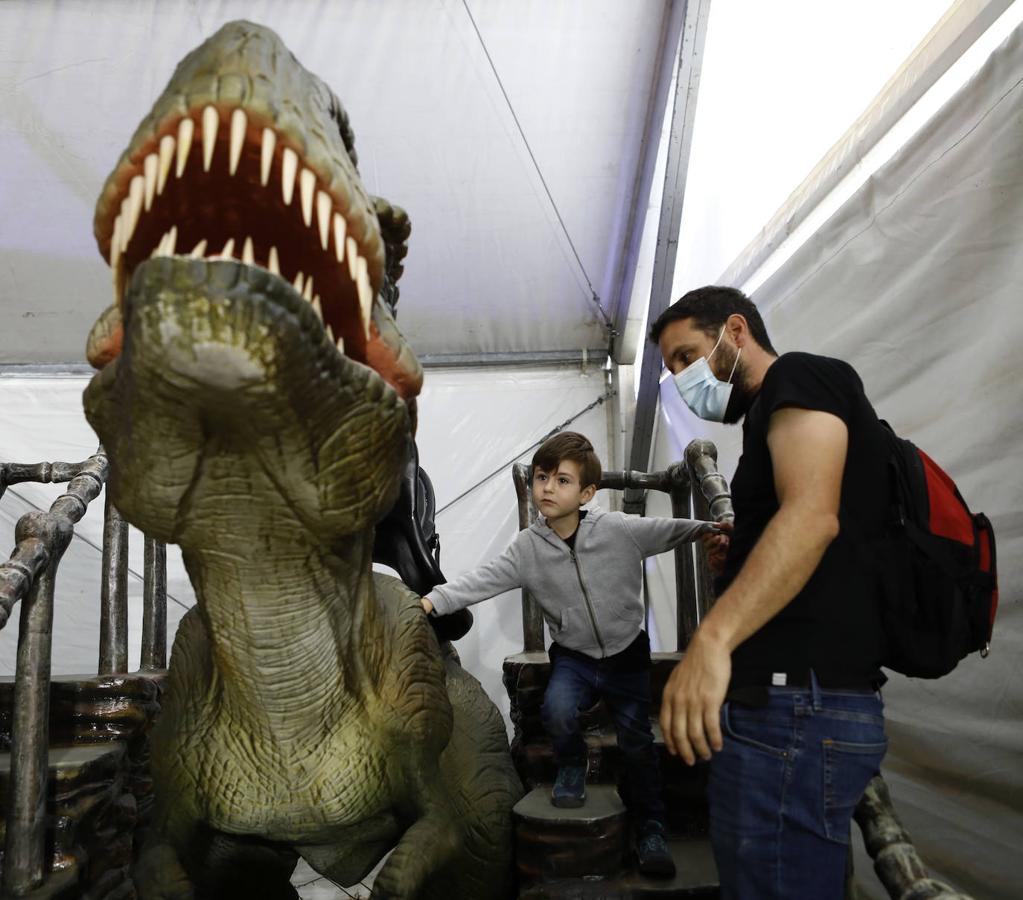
{"x":716,"y":547}
{"x":691,"y":703}
{"x":427,"y":605}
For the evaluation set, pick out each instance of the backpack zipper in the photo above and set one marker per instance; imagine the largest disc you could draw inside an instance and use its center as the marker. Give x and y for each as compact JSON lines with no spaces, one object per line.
{"x":589,"y":605}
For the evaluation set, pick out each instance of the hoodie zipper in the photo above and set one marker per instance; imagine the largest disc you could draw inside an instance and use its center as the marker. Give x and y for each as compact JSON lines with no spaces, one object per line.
{"x":589,"y":605}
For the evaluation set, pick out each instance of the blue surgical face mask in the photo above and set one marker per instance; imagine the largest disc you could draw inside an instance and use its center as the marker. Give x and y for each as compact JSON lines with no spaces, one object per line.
{"x":701,"y":389}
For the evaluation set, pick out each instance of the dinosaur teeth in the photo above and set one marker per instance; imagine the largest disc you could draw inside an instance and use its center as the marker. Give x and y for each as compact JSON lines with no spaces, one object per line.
{"x":186,"y":131}
{"x":340,"y":226}
{"x":299,"y":282}
{"x":239,"y":125}
{"x":330,"y":333}
{"x":273,"y":262}
{"x":317,"y":307}
{"x":124,"y":224}
{"x":135,"y":193}
{"x":115,"y":244}
{"x":149,"y":170}
{"x":210,"y":126}
{"x":199,"y":250}
{"x":307,"y":291}
{"x":323,"y":207}
{"x":289,"y":169}
{"x":365,"y":295}
{"x":341,"y":345}
{"x":228,"y":251}
{"x":307,"y":185}
{"x":266,"y":157}
{"x":171,"y":239}
{"x":166,"y":157}
{"x":248,"y":252}
{"x":353,"y":256}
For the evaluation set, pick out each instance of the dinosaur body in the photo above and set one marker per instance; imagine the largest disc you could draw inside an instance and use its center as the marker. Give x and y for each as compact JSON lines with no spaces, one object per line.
{"x":310,"y":709}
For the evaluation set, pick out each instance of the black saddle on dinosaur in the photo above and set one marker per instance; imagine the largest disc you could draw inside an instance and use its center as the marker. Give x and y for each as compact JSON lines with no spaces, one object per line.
{"x":407,"y":541}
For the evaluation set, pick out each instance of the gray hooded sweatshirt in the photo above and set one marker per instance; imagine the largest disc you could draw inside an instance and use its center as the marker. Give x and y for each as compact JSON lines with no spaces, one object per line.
{"x":590,"y":596}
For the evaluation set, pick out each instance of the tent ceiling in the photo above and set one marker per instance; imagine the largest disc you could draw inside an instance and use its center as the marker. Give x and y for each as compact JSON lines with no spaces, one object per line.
{"x":511,"y":132}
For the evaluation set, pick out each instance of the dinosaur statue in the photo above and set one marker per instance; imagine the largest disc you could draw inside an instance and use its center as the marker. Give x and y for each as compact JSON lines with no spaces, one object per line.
{"x":257,"y":403}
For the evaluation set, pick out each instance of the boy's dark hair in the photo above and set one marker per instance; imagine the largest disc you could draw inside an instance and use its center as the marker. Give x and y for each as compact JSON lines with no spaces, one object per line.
{"x":709,"y":307}
{"x":574,"y":447}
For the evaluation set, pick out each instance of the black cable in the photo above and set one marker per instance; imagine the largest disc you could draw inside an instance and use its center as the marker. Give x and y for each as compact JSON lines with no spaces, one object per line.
{"x":523,"y":452}
{"x":557,"y":212}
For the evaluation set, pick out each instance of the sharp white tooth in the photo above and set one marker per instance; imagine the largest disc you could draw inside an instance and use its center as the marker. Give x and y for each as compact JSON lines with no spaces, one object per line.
{"x":341,"y":345}
{"x":199,"y":250}
{"x":124,"y":217}
{"x":158,"y":249}
{"x":307,"y":186}
{"x":186,"y":131}
{"x":365,"y":295}
{"x":172,"y":241}
{"x":210,"y":126}
{"x":228,"y":250}
{"x":267,"y":155}
{"x":115,"y":243}
{"x":317,"y":308}
{"x":289,"y":169}
{"x":166,"y":157}
{"x":307,"y":291}
{"x":248,"y":252}
{"x":323,"y":208}
{"x":330,"y":333}
{"x":273,"y":263}
{"x":340,"y":227}
{"x":135,"y":192}
{"x":239,"y":125}
{"x":353,"y":256}
{"x":299,"y":282}
{"x":149,"y":168}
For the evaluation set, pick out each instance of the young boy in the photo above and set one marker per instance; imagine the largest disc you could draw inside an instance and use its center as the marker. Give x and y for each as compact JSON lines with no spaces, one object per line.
{"x":584,"y":569}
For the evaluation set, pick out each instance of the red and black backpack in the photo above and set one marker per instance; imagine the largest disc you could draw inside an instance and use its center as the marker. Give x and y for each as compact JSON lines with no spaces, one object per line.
{"x":939,"y":578}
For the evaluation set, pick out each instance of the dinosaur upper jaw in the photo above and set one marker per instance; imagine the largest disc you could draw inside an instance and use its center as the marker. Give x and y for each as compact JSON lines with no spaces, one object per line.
{"x":228,"y":166}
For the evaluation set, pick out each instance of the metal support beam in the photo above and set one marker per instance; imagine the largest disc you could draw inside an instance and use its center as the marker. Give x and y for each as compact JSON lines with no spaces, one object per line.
{"x":664,"y":71}
{"x":690,"y":59}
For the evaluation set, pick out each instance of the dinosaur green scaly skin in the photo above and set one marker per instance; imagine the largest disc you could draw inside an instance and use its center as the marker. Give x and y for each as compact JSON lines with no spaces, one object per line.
{"x":309,"y":709}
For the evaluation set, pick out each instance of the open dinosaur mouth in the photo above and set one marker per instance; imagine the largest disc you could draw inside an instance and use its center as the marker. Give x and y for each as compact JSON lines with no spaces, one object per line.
{"x":221,"y":183}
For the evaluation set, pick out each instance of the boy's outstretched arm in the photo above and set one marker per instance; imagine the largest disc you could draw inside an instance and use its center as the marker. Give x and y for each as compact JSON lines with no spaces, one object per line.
{"x":486,"y":581}
{"x":657,"y":534}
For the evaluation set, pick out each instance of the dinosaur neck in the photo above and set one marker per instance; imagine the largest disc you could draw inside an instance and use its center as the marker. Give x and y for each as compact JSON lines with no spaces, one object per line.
{"x":286,"y":617}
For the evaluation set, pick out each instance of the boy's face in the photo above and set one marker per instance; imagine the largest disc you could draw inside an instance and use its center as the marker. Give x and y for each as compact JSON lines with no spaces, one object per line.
{"x":561,"y":493}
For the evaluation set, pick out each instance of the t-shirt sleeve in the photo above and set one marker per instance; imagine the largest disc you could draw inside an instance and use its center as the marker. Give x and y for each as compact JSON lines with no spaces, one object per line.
{"x":806,"y":381}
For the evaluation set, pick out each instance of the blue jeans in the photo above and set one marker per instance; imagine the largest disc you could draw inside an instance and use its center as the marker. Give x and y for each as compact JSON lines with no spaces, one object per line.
{"x":577,"y":684}
{"x":783,"y":789}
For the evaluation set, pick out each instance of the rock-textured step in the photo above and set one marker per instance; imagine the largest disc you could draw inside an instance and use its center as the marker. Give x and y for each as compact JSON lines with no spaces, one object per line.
{"x":564,"y":854}
{"x":91,"y":818}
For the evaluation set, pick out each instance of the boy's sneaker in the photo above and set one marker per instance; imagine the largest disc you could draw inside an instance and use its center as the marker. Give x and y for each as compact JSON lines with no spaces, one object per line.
{"x":569,"y":790}
{"x":652,"y":851}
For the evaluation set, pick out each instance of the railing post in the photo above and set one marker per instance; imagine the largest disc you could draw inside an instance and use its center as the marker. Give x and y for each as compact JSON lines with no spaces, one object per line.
{"x":113,"y":623}
{"x":29,"y":575}
{"x":154,"y":607}
{"x":686,"y":588}
{"x":711,"y":500}
{"x":532,"y":617}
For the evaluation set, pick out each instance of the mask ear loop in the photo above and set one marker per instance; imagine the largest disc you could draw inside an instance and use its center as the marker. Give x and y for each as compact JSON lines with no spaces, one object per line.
{"x":734,"y":364}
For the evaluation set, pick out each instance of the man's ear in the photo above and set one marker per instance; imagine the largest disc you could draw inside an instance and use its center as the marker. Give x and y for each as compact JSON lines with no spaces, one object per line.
{"x":587,"y":493}
{"x":737,"y":328}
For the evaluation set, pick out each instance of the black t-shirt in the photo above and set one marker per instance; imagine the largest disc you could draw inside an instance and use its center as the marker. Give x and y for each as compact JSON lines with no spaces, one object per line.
{"x":832,"y":625}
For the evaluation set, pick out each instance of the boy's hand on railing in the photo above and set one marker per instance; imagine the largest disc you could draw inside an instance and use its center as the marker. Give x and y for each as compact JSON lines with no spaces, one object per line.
{"x":427,"y":605}
{"x":716,"y":547}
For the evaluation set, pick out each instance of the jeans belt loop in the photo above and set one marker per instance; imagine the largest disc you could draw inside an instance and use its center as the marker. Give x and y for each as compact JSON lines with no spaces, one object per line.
{"x":815,"y":691}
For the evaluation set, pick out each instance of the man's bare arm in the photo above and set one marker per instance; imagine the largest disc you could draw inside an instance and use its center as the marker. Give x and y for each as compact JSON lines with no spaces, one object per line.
{"x":808,"y":450}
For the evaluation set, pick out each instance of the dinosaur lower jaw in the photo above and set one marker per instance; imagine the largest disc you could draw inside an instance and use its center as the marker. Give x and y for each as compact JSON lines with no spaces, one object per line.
{"x":220,"y":183}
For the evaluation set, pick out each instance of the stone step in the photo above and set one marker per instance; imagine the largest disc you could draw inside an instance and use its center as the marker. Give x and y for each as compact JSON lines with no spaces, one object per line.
{"x":563,"y":854}
{"x":91,"y":815}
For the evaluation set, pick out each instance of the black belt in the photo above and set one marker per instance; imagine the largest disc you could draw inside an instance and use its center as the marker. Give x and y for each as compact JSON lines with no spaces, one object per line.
{"x":801,"y":679}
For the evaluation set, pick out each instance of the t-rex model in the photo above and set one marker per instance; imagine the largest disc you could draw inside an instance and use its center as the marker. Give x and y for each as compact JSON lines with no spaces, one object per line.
{"x":256,"y":403}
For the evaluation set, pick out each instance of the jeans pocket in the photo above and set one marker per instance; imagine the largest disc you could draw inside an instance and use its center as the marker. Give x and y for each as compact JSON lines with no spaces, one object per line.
{"x":848,"y":768}
{"x":756,"y":728}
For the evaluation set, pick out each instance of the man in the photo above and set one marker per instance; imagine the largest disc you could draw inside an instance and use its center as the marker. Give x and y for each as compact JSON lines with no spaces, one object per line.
{"x":779,"y":685}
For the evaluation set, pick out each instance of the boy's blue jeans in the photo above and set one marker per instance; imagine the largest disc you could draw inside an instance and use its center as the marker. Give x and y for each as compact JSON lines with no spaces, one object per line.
{"x":783,"y":790}
{"x":577,"y":684}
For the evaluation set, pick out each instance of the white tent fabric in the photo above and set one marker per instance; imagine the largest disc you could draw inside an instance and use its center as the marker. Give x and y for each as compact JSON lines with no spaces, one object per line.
{"x":915,"y":282}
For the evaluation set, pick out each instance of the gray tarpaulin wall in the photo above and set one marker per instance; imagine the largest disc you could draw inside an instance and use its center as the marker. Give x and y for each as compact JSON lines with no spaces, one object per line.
{"x":918,"y":282}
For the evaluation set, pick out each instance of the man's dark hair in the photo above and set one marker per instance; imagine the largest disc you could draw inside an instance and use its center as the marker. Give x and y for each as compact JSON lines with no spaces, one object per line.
{"x":574,"y":447}
{"x":709,"y":307}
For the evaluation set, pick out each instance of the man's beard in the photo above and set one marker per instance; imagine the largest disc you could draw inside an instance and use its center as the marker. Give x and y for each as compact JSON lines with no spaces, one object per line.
{"x":742,"y":395}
